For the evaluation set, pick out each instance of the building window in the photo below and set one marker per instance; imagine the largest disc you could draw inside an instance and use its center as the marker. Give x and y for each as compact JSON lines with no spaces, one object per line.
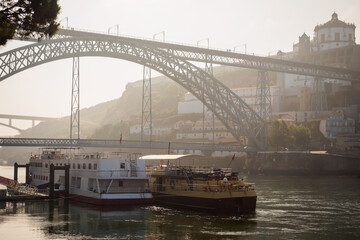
{"x":72,"y":182}
{"x":122,"y":165}
{"x":89,"y":166}
{"x":74,"y":166}
{"x":350,"y":37}
{"x":95,"y":166}
{"x":337,"y":37}
{"x":79,"y":166}
{"x":322,"y":38}
{"x":78,"y":182}
{"x":120,"y":183}
{"x":84,"y":165}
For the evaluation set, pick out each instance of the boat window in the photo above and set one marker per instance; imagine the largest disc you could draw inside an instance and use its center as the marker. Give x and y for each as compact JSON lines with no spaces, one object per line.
{"x":89,"y":165}
{"x":95,"y":166}
{"x":78,"y":182}
{"x":73,"y":182}
{"x":84,"y":165}
{"x":122,"y":165}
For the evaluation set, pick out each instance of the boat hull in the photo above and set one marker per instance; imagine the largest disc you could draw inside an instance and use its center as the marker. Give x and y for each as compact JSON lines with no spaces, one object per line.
{"x":113,"y":202}
{"x":238,"y":205}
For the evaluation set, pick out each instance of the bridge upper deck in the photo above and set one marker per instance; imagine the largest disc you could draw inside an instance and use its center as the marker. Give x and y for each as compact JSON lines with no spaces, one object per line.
{"x":227,"y":57}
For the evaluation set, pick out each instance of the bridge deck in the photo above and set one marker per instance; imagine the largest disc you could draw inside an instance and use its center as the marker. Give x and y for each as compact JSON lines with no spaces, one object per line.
{"x":102,"y":143}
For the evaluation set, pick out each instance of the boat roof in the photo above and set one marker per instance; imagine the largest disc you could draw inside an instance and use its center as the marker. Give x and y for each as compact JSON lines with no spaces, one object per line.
{"x":170,"y":157}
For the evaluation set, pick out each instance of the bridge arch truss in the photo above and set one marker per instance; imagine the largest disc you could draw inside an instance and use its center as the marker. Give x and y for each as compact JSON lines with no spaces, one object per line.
{"x":240,"y":119}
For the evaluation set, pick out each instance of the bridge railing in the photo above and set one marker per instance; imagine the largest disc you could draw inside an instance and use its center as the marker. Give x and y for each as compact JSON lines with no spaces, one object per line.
{"x":104,"y":143}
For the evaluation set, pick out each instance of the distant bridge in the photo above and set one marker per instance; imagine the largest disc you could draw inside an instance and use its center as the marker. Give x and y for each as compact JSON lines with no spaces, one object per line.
{"x":173,"y":60}
{"x":102,"y":143}
{"x":21,"y":117}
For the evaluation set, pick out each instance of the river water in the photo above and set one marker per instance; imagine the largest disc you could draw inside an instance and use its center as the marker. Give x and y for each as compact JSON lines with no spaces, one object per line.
{"x":298,"y":207}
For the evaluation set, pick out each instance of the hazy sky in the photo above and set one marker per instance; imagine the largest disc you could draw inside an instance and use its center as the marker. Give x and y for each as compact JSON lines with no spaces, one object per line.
{"x":266,"y":26}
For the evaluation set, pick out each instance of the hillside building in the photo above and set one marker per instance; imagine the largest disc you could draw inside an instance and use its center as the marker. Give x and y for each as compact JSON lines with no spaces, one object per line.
{"x":191,"y":104}
{"x":337,"y":124}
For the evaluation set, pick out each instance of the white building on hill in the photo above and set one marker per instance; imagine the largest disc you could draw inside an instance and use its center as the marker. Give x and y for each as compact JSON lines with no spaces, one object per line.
{"x":193,"y":105}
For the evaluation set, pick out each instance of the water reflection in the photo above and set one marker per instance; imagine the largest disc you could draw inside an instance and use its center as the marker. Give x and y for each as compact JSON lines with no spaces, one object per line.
{"x":64,"y":219}
{"x":288,"y":208}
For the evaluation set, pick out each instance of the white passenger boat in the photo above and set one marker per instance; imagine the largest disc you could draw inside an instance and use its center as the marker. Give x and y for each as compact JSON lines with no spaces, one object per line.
{"x":99,"y":178}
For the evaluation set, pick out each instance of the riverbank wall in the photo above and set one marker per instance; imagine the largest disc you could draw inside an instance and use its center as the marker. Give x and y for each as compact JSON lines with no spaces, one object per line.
{"x":282,"y":163}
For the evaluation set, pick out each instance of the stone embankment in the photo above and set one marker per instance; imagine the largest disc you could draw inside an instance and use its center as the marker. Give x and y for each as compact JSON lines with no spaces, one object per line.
{"x":307,"y":163}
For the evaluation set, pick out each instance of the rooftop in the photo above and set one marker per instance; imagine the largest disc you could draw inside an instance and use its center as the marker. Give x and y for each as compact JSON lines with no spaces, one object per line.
{"x":334,"y":22}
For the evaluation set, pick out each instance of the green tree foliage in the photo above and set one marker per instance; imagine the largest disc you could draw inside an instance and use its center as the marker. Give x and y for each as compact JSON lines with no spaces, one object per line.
{"x":279,"y":135}
{"x":300,"y":134}
{"x":26,"y":18}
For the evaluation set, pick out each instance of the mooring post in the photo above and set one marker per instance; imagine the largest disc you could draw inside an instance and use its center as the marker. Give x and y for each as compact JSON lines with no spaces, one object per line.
{"x":27,"y":178}
{"x":67,"y":180}
{"x":52,"y":182}
{"x":15,"y":171}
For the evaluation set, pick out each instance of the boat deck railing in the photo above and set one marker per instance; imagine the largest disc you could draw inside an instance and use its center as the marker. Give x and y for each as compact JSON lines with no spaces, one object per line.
{"x":122,"y":190}
{"x":167,"y":170}
{"x":203,"y":187}
{"x":110,"y":174}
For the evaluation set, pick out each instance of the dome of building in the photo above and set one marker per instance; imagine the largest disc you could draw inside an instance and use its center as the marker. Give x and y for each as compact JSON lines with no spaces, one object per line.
{"x":334,"y":22}
{"x":334,"y":34}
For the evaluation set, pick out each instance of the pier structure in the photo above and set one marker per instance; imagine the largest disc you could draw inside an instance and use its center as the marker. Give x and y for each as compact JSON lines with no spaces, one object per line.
{"x":53,"y":168}
{"x":27,"y":174}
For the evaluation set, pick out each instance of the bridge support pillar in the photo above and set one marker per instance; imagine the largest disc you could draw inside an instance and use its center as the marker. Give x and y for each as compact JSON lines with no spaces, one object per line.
{"x":318,"y":97}
{"x":52,"y":180}
{"x":146,"y":114}
{"x":209,"y":70}
{"x":16,"y":171}
{"x":27,"y":172}
{"x":75,"y":101}
{"x":263,"y":103}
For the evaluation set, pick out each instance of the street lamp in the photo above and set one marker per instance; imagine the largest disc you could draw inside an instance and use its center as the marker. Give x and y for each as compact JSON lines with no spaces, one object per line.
{"x":205,"y":39}
{"x":163,"y":34}
{"x":117,"y":29}
{"x":67,"y":21}
{"x":240,"y":46}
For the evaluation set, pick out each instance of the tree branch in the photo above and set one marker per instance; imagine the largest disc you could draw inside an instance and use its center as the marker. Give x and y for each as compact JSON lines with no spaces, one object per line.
{"x":4,"y":11}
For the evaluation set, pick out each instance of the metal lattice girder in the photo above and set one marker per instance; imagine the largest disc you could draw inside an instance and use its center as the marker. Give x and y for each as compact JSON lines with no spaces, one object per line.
{"x":230,"y":58}
{"x":263,"y":103}
{"x":236,"y":115}
{"x":263,"y":96}
{"x":146,"y":115}
{"x":201,"y":54}
{"x":318,"y":96}
{"x":75,"y":100}
{"x":101,"y":143}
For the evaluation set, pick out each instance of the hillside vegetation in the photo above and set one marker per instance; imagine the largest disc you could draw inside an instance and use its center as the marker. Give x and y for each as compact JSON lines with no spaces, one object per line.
{"x":110,"y":119}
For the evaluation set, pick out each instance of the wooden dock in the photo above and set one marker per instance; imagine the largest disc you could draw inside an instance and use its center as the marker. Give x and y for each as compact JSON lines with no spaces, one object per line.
{"x":20,"y":198}
{"x":19,"y":192}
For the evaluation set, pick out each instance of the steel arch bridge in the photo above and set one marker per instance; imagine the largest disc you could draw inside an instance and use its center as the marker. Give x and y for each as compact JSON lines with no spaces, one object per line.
{"x":235,"y":114}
